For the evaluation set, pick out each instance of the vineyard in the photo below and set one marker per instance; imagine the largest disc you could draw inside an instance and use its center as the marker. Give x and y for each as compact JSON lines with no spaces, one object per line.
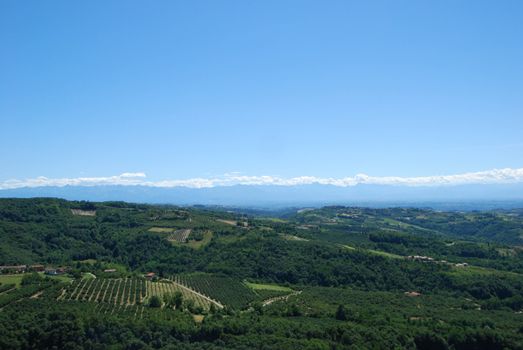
{"x":179,"y":236}
{"x":198,"y":291}
{"x":173,"y":235}
{"x":227,"y":290}
{"x":126,"y":292}
{"x":170,"y":288}
{"x":121,"y":291}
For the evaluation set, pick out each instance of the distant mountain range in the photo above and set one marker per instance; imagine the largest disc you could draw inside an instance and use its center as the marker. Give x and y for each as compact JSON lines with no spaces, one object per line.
{"x":438,"y":197}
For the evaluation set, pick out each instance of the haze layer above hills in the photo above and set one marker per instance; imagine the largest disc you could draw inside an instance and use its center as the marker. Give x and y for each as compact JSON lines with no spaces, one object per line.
{"x":447,"y":197}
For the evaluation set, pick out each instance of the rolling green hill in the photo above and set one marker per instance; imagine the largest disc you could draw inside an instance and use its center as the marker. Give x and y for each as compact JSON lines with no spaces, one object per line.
{"x":333,"y":277}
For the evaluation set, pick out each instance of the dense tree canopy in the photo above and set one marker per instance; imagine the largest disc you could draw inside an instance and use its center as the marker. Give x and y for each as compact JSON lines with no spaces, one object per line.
{"x":360,"y":278}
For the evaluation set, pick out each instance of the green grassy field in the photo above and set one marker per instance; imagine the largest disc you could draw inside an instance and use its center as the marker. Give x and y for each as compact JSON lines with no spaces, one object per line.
{"x":17,"y":279}
{"x":161,"y":229}
{"x":478,"y":270}
{"x":62,"y":278}
{"x":260,"y":286}
{"x":385,"y":254}
{"x":11,"y":279}
{"x":207,"y":236}
{"x":376,"y":252}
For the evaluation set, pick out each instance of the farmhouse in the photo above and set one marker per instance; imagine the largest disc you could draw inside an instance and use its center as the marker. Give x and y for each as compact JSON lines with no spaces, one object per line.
{"x":37,"y":268}
{"x":421,"y":258}
{"x":110,"y":270}
{"x":13,"y":268}
{"x":150,"y":275}
{"x":52,"y":271}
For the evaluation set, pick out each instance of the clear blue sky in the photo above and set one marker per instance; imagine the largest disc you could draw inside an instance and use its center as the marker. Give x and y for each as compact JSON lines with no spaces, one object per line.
{"x":180,"y":89}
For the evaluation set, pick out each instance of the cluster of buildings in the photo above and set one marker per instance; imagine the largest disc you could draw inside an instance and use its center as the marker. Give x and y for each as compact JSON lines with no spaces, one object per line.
{"x":420,"y":258}
{"x":7,"y":269}
{"x":431,"y":260}
{"x":55,"y":271}
{"x":461,"y":264}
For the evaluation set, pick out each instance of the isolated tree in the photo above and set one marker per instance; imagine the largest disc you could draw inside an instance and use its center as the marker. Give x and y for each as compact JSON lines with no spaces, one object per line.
{"x":155,"y":301}
{"x":341,"y":313}
{"x":168,"y":299}
{"x":189,"y":305}
{"x":258,"y":308}
{"x":32,"y":278}
{"x":178,"y":300}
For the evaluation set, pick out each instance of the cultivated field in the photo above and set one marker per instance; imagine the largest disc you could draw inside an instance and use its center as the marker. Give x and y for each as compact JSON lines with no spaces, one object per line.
{"x":226,"y":290}
{"x":173,"y":234}
{"x":130,"y":292}
{"x":269,"y":292}
{"x":179,"y":236}
{"x":161,"y":229}
{"x":80,"y":212}
{"x":260,"y":286}
{"x":171,"y":287}
{"x":228,"y":222}
{"x":11,"y":279}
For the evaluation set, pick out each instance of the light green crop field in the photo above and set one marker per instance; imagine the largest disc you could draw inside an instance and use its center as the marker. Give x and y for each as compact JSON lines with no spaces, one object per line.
{"x":11,"y":279}
{"x":385,"y":254}
{"x":62,"y":278}
{"x":161,"y":229}
{"x":376,"y":252}
{"x":277,"y":220}
{"x":258,"y":286}
{"x":478,"y":270}
{"x":207,"y":236}
{"x":17,"y":279}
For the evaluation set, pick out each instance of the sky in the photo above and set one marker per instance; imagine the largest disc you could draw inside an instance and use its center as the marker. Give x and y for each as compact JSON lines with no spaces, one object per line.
{"x":288,"y":89}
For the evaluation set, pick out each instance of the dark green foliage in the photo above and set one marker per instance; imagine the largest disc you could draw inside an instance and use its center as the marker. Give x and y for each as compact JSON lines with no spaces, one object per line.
{"x":264,"y":294}
{"x":349,"y":264}
{"x":341,"y":313}
{"x":6,"y":287}
{"x":31,"y":278}
{"x":226,"y":290}
{"x":430,"y":341}
{"x":178,"y":300}
{"x":155,"y":301}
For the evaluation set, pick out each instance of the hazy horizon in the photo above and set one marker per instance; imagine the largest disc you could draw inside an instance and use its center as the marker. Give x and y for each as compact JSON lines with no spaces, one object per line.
{"x":209,"y":93}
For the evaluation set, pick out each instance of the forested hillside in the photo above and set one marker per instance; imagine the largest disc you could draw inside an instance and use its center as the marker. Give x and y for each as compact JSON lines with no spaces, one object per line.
{"x":329,"y":278}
